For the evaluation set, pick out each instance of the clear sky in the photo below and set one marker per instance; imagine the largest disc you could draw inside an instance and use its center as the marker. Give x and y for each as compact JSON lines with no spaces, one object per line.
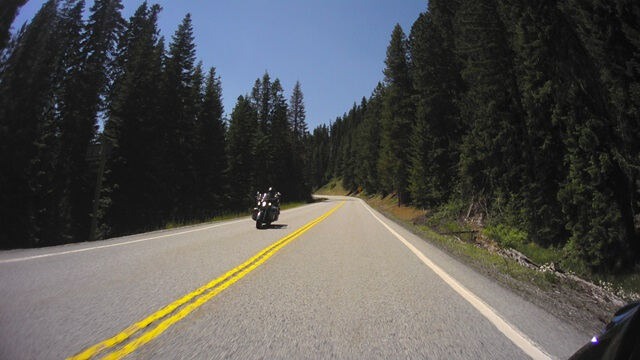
{"x":335,"y":48}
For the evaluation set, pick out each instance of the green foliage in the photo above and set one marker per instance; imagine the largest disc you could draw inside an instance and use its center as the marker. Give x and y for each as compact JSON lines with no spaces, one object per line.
{"x":506,"y":236}
{"x":486,"y":101}
{"x":436,"y":72}
{"x":396,"y":119}
{"x":135,"y":165}
{"x":172,"y":156}
{"x":241,"y":139}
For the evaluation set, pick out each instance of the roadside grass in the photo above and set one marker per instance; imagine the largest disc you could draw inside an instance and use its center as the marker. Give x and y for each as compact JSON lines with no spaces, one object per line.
{"x":443,"y":228}
{"x":333,"y":187}
{"x":461,"y":245}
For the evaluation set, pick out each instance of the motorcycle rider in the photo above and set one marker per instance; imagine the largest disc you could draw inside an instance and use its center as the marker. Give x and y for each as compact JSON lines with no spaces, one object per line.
{"x":274,"y":196}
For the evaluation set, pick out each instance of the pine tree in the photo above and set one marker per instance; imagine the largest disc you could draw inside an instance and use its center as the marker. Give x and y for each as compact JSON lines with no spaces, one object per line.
{"x":281,"y":173}
{"x":436,"y":77}
{"x":297,"y":113}
{"x":103,"y":30}
{"x":298,"y":128}
{"x":367,"y":142}
{"x":211,"y":152}
{"x":7,"y":16}
{"x":73,"y":175}
{"x":131,"y":200}
{"x":318,"y":156}
{"x":495,"y":152}
{"x":179,"y":125}
{"x":241,"y":158}
{"x":599,"y":191}
{"x":534,"y":29}
{"x":397,"y":118}
{"x":27,"y":132}
{"x":262,"y":101}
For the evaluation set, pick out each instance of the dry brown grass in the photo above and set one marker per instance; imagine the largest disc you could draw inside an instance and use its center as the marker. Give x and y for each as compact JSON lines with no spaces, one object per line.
{"x":389,"y":204}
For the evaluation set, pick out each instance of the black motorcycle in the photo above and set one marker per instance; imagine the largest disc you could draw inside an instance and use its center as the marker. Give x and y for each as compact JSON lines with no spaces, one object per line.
{"x":267,"y":210}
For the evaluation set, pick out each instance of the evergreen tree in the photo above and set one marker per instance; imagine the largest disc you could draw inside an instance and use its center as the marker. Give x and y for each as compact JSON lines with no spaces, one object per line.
{"x":7,"y":15}
{"x":397,"y":118}
{"x":367,"y":142}
{"x":281,"y":174}
{"x":297,"y":113}
{"x":27,"y":131}
{"x":103,"y":30}
{"x":318,"y":154}
{"x":131,"y":200}
{"x":495,"y":152}
{"x":298,"y":128}
{"x":534,"y":29}
{"x":211,"y":152}
{"x":436,"y":77}
{"x":262,"y":101}
{"x":241,"y":158}
{"x":179,"y":124}
{"x":73,"y":178}
{"x":599,"y":192}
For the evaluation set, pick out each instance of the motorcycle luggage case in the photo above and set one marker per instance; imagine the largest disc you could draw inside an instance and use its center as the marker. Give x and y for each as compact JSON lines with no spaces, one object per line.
{"x":254,"y":214}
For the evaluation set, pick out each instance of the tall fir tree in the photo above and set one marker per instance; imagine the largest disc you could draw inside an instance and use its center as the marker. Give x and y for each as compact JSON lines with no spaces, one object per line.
{"x":298,"y":127}
{"x":297,"y":113}
{"x":133,"y":181}
{"x":495,"y":152}
{"x":73,"y":183}
{"x":436,"y":78}
{"x":241,"y":137}
{"x":179,"y":123}
{"x":597,"y":195}
{"x":367,"y":142}
{"x":27,"y":132}
{"x":262,"y":101}
{"x":211,"y":148}
{"x":318,"y":153}
{"x":280,"y":143}
{"x":7,"y":15}
{"x":397,"y":119}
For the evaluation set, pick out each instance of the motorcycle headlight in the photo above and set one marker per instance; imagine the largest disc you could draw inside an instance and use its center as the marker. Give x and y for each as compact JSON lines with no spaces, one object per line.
{"x":264,"y":203}
{"x":269,"y":204}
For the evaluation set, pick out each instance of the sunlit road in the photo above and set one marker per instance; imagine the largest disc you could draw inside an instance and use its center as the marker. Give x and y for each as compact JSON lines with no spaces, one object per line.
{"x":342,"y":285}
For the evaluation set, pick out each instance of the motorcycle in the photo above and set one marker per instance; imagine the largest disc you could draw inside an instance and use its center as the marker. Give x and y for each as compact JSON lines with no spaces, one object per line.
{"x":267,"y":210}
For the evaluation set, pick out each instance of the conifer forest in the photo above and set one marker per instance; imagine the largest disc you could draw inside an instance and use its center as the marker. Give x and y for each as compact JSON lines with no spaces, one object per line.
{"x":173,"y":157}
{"x":527,"y":112}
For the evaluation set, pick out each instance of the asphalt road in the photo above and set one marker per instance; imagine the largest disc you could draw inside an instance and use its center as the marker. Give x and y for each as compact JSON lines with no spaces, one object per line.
{"x":351,"y":284}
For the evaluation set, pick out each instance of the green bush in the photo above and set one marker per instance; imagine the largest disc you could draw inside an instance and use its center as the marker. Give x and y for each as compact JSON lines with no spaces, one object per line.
{"x":506,"y":236}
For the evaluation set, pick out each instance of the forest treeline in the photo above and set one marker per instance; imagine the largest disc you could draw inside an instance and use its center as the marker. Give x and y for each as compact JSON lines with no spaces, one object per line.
{"x":527,"y":111}
{"x":174,"y":157}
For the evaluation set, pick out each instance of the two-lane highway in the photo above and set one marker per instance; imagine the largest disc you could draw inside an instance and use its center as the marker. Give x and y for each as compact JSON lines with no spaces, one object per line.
{"x":333,"y":279}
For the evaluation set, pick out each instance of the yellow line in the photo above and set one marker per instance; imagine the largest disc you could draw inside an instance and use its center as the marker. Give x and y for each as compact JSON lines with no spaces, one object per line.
{"x":227,"y":280}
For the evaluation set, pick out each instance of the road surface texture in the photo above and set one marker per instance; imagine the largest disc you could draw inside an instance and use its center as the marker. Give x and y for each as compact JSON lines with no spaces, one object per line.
{"x":343,"y":284}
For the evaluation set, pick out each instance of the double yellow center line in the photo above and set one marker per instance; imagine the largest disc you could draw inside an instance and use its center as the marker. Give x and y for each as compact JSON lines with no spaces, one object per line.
{"x":180,"y":308}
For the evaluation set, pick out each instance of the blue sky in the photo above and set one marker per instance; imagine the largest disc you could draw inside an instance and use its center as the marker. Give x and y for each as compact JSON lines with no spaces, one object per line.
{"x":335,"y":48}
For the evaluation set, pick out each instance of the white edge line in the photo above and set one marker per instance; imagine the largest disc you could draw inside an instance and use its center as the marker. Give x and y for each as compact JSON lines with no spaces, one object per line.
{"x":124,"y":243}
{"x":510,"y":331}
